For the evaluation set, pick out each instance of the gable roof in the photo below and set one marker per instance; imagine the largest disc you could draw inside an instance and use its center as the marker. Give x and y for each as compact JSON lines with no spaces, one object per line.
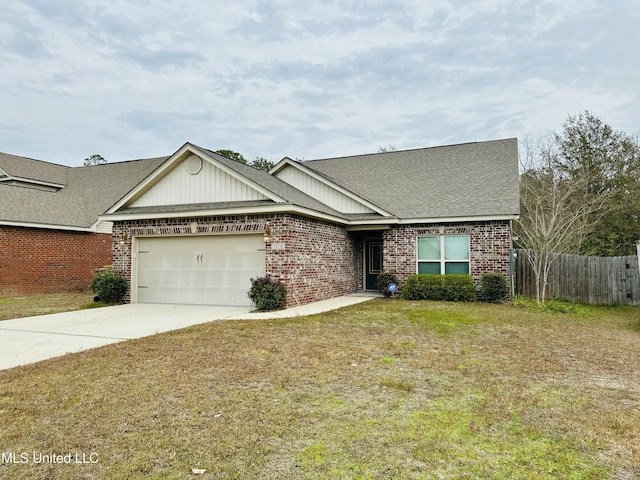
{"x":469,"y":180}
{"x":84,"y":193}
{"x":278,"y":195}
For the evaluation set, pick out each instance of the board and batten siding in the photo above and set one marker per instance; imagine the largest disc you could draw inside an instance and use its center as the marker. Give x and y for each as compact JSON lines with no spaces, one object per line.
{"x":211,"y":184}
{"x":321,"y":191}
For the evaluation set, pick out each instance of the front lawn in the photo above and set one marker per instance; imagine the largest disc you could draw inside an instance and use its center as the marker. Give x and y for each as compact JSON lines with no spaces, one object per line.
{"x":381,"y":390}
{"x":46,"y":303}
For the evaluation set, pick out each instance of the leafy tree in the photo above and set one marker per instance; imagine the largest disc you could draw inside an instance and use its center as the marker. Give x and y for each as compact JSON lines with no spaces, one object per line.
{"x":611,"y":160}
{"x":94,"y":159}
{"x":232,"y":155}
{"x":262,"y":164}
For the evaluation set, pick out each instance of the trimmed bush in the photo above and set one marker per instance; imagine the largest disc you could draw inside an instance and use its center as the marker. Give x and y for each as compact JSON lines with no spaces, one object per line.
{"x":383,"y":281}
{"x":495,"y":288}
{"x":108,"y":285}
{"x":268,"y":294}
{"x":452,"y":288}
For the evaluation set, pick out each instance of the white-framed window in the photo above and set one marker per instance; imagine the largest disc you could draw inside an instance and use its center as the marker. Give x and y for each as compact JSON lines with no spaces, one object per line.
{"x":442,"y":254}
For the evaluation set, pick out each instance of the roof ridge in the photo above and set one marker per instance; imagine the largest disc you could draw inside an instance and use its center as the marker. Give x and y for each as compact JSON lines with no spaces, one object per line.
{"x":410,"y":150}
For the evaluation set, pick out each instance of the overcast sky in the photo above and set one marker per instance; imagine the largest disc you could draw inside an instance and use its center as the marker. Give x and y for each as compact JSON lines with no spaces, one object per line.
{"x":128,"y":79}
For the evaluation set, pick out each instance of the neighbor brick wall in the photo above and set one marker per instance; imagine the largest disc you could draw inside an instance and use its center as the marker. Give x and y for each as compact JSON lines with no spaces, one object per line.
{"x":490,"y":244}
{"x":36,"y":261}
{"x":316,"y":262}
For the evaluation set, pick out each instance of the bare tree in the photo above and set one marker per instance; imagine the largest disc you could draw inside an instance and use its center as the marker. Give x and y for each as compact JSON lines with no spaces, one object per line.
{"x":556,"y":212}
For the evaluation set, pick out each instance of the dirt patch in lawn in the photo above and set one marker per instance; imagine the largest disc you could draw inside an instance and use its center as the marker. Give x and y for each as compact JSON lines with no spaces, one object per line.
{"x":18,"y":307}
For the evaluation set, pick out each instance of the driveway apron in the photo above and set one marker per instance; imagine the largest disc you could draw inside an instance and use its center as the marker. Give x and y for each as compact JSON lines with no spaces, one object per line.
{"x":31,"y":339}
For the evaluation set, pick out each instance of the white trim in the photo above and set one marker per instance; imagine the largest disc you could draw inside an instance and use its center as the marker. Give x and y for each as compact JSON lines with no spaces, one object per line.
{"x":30,"y":181}
{"x":47,"y":226}
{"x":369,"y":227}
{"x":352,"y":225}
{"x":307,"y":171}
{"x":275,"y":208}
{"x":482,"y":218}
{"x":442,"y":260}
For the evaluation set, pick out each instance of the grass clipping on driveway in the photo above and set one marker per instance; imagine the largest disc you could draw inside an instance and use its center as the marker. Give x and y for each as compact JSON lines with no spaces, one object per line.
{"x":385,"y":389}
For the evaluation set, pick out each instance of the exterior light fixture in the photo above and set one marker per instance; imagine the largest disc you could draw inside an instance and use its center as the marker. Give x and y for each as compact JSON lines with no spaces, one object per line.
{"x":267,"y":235}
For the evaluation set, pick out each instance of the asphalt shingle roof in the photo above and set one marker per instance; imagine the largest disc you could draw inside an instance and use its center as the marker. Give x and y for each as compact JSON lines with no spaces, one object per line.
{"x":465,"y":180}
{"x":88,"y":192}
{"x":470,"y":179}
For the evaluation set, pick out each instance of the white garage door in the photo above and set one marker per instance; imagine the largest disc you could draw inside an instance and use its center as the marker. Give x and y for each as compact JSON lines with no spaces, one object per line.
{"x":206,"y":270}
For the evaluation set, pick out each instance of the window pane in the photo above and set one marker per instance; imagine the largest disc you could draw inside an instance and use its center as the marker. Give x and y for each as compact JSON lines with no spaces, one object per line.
{"x":456,"y":247}
{"x":429,"y":248}
{"x":429,"y":267}
{"x":461,"y":267}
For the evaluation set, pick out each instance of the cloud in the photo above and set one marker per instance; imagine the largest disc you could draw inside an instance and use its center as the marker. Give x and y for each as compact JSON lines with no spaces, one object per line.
{"x":133,"y":79}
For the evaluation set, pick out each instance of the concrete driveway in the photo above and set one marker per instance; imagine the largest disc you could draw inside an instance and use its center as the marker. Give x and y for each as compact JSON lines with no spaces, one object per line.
{"x":31,"y":339}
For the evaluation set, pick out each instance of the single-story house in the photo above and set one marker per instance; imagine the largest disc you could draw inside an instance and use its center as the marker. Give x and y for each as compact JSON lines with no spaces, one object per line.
{"x":50,"y":237}
{"x":196,"y":226}
{"x":200,"y":225}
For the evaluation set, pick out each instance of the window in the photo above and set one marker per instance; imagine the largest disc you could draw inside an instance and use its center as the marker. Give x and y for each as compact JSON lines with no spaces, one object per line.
{"x":443,"y":254}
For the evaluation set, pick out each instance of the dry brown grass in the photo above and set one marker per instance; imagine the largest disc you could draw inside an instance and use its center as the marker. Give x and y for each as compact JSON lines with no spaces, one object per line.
{"x":387,"y":389}
{"x":18,"y":307}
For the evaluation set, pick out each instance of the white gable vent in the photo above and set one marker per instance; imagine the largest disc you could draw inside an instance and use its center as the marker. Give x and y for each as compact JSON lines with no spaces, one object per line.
{"x":194,"y":164}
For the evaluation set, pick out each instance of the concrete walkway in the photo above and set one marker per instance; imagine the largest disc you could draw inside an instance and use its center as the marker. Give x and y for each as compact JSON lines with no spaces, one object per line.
{"x":32,"y":339}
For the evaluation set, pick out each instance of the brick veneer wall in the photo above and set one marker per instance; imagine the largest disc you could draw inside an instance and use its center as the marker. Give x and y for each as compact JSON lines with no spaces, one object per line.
{"x":490,"y":244}
{"x":314,"y":259}
{"x":318,"y":262}
{"x":34,"y":261}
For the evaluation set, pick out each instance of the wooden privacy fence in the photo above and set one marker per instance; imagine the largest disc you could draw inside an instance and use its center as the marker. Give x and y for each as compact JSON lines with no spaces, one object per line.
{"x":581,"y":279}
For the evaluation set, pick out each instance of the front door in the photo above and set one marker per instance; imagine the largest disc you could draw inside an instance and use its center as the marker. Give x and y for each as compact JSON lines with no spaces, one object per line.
{"x":372,"y":262}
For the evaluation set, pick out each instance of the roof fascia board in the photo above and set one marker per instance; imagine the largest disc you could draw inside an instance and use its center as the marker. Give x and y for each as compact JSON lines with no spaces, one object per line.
{"x":482,"y":218}
{"x":276,"y":208}
{"x":288,"y":162}
{"x":48,"y":226}
{"x":9,"y":178}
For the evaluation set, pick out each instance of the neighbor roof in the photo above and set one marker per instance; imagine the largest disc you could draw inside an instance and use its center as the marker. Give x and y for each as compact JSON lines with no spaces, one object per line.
{"x":29,"y":169}
{"x":86,"y":191}
{"x":477,"y":179}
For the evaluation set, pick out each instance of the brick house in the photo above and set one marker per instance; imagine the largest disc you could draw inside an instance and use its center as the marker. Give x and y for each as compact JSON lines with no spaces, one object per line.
{"x":200,"y":225}
{"x":50,"y":237}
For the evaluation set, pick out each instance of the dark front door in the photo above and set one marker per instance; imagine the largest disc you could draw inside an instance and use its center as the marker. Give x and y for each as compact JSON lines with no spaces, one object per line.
{"x":372,"y":262}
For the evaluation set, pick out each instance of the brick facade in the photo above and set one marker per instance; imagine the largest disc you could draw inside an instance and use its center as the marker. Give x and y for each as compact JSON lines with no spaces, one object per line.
{"x":34,"y":261}
{"x":490,"y":245}
{"x":314,"y":259}
{"x":318,"y":260}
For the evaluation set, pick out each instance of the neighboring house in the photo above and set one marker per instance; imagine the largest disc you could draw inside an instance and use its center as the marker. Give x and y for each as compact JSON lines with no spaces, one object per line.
{"x":50,"y":237}
{"x":200,"y":225}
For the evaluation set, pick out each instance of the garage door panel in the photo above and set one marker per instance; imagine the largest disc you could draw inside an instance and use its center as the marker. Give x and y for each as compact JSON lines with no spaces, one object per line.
{"x":199,"y":270}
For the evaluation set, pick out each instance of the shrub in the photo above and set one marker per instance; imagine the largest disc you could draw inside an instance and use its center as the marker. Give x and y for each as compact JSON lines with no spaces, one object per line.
{"x":383,"y":281}
{"x":267,"y":293}
{"x":454,"y":288}
{"x":495,"y":288}
{"x":108,"y":285}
